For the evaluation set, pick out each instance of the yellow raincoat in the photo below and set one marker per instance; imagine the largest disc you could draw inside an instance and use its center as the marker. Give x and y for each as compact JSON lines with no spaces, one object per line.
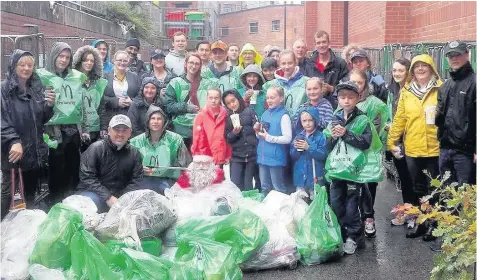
{"x":258,"y":56}
{"x":420,"y":139}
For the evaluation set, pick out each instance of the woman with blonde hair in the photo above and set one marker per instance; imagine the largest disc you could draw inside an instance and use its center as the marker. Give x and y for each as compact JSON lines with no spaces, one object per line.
{"x":26,"y":108}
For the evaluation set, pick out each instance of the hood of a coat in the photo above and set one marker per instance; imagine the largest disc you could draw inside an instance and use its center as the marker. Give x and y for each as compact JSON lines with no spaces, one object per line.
{"x":426,"y":59}
{"x":151,"y":111}
{"x":177,"y":54}
{"x":55,"y":51}
{"x":279,"y":75}
{"x":98,"y":62}
{"x":239,"y":98}
{"x":139,"y":100}
{"x":313,"y":111}
{"x":96,"y":42}
{"x":250,"y":47}
{"x":252,"y":68}
{"x":11,"y":79}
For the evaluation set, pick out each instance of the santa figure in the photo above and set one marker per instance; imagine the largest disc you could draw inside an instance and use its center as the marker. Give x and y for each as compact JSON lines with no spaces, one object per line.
{"x":202,"y":171}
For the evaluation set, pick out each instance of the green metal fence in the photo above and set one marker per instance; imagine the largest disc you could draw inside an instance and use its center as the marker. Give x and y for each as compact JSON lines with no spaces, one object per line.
{"x":382,"y":59}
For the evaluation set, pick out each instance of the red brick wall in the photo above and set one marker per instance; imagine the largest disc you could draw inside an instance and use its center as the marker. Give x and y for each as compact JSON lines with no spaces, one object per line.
{"x":398,"y":22}
{"x":311,"y":22}
{"x":238,"y":23}
{"x":366,"y":23}
{"x":374,"y":24}
{"x":443,"y":21}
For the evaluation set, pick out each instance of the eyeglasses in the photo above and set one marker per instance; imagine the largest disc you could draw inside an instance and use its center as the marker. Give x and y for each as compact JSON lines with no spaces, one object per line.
{"x":123,"y":61}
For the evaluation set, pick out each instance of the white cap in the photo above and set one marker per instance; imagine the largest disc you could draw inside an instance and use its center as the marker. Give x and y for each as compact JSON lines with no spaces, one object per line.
{"x":120,"y":120}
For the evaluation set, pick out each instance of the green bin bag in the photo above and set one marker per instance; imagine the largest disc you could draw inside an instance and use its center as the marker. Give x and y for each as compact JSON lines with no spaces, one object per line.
{"x":254,"y":194}
{"x":53,"y":245}
{"x":69,"y":96}
{"x":151,"y":246}
{"x":143,"y":266}
{"x":213,"y":260}
{"x":319,"y":233}
{"x":90,"y":259}
{"x":242,"y":230}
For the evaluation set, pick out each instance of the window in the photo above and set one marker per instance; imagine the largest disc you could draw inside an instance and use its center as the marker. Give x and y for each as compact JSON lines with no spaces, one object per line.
{"x":275,"y":25}
{"x":253,"y":27}
{"x":227,"y":8}
{"x":224,"y":31}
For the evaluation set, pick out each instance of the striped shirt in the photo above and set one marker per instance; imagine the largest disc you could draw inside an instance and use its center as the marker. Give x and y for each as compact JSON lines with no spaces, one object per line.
{"x":324,"y":108}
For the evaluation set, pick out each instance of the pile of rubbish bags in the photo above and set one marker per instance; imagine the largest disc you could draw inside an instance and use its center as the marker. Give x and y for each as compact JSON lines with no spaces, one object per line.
{"x":214,"y":233}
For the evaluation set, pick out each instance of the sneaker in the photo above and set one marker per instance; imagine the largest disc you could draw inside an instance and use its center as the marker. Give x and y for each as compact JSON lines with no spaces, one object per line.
{"x":398,"y":221}
{"x":369,"y":228}
{"x":350,"y":246}
{"x":411,"y":223}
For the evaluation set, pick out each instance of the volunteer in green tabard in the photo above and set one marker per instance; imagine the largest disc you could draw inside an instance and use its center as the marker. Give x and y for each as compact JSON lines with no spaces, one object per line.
{"x":228,"y":75}
{"x":186,"y":95}
{"x":88,"y":60}
{"x":160,"y":148}
{"x":65,"y":125}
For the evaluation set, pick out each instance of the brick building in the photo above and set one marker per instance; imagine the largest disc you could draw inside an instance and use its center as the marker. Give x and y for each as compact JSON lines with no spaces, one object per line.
{"x":370,"y":23}
{"x":374,"y":24}
{"x":262,"y":25}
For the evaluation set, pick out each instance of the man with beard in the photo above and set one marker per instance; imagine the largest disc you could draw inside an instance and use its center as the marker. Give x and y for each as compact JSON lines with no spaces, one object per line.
{"x":135,"y":65}
{"x":111,"y":167}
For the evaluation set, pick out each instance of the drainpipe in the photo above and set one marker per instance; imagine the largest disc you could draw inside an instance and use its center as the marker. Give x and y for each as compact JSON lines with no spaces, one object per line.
{"x":345,"y":23}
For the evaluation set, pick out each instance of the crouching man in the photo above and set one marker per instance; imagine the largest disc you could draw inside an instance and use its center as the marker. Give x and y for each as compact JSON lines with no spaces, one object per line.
{"x":111,"y":167}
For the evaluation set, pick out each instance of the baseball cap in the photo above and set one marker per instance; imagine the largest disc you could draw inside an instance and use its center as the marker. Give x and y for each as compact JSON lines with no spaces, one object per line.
{"x":456,"y":47}
{"x":157,"y":54}
{"x":359,"y":53}
{"x":350,"y":85}
{"x":120,"y":120}
{"x":219,"y":45}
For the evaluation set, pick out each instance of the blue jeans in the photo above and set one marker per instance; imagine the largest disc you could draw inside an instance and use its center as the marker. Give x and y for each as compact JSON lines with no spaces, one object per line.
{"x":101,"y":204}
{"x":152,"y":183}
{"x":148,"y":183}
{"x":272,"y":177}
{"x":461,"y":166}
{"x":345,"y":203}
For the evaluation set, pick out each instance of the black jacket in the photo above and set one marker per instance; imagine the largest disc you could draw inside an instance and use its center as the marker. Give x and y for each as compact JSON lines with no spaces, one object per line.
{"x":335,"y":70}
{"x":162,"y":84}
{"x":362,"y":141}
{"x":111,"y":102}
{"x":244,"y":144}
{"x":138,"y":67}
{"x":106,"y":171}
{"x":24,"y":115}
{"x":456,"y":108}
{"x":137,"y":111}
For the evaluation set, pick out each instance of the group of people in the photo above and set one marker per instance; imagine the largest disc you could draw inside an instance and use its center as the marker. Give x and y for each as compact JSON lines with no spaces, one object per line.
{"x":282,"y":120}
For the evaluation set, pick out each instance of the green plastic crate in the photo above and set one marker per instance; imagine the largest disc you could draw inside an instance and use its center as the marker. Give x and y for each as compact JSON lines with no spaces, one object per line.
{"x":195,"y":16}
{"x":195,"y":33}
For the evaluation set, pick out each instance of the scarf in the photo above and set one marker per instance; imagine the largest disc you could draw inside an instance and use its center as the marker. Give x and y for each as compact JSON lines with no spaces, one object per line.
{"x":417,"y":91}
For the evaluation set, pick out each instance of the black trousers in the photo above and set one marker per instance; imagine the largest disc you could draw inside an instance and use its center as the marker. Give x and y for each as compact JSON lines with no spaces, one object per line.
{"x":420,"y":181}
{"x":94,"y":137}
{"x":31,"y":182}
{"x":242,"y":174}
{"x":63,"y":169}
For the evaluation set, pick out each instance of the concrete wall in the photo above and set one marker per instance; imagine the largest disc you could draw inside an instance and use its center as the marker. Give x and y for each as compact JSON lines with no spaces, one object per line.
{"x":238,"y":23}
{"x":68,"y":22}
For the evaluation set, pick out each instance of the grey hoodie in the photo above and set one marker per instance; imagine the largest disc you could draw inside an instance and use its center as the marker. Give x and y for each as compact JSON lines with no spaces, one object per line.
{"x":175,"y":62}
{"x":252,"y":68}
{"x":57,"y":48}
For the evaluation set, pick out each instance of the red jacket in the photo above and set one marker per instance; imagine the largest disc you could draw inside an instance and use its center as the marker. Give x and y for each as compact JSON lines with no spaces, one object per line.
{"x":209,"y":133}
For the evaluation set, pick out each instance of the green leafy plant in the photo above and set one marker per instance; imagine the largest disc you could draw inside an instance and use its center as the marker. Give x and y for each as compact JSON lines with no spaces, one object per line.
{"x":133,"y":15}
{"x":455,"y":212}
